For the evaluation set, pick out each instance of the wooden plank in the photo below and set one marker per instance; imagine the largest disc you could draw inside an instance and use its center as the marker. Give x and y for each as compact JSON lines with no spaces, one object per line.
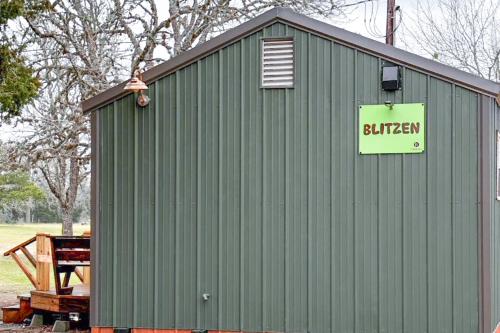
{"x":48,"y":301}
{"x":57,"y":277}
{"x":76,"y":242}
{"x":10,"y":314}
{"x":73,"y":305}
{"x":41,"y":302}
{"x":80,"y":274}
{"x":72,"y":263}
{"x":43,"y":261}
{"x":65,"y":291}
{"x":86,"y":275}
{"x":17,"y":247}
{"x":29,"y":256}
{"x":72,"y":255}
{"x":80,"y":291}
{"x":23,"y":267}
{"x":67,"y":276}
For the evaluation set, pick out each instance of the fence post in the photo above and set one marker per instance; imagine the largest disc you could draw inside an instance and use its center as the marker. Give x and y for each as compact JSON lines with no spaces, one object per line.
{"x":86,"y":270}
{"x":43,"y":261}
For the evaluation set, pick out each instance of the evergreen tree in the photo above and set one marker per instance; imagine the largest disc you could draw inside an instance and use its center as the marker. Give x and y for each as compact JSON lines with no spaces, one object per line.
{"x":18,"y":86}
{"x":17,"y":188}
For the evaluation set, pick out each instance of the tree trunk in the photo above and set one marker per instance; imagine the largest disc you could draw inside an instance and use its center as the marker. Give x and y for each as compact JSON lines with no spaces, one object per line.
{"x":67,"y":226}
{"x":28,"y":213}
{"x":29,"y":204}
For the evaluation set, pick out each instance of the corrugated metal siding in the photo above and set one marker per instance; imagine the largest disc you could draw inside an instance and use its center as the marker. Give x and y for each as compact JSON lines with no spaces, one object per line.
{"x":259,"y":198}
{"x":464,"y":194}
{"x":145,"y":228}
{"x":105,"y":257}
{"x":166,"y":206}
{"x":495,"y":228}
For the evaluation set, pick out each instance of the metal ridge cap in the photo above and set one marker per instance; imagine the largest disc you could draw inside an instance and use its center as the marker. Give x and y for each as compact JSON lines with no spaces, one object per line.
{"x":287,"y":15}
{"x":407,"y":58}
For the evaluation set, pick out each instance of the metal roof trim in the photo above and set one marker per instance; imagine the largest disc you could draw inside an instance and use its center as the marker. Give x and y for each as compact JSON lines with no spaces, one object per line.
{"x":391,"y":53}
{"x":186,"y":58}
{"x":303,"y":22}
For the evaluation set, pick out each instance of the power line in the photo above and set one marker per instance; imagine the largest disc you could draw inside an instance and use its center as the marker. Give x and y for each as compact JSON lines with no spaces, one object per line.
{"x":371,"y":25}
{"x":370,"y":21}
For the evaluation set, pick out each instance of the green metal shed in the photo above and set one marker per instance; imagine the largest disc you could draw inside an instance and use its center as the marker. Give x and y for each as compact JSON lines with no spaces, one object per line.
{"x":231,"y":204}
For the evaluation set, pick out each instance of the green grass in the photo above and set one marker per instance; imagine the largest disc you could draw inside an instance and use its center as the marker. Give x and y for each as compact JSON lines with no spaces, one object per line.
{"x":12,"y":279}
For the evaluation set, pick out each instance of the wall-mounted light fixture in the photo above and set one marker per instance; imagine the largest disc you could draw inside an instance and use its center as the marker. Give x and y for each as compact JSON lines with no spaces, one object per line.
{"x":136,"y":85}
{"x":391,"y":77}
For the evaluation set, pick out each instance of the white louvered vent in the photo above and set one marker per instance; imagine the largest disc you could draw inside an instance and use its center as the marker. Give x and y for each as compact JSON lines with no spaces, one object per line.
{"x":277,"y":63}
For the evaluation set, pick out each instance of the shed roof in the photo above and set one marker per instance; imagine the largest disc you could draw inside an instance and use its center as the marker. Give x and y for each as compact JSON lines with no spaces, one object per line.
{"x":306,"y":23}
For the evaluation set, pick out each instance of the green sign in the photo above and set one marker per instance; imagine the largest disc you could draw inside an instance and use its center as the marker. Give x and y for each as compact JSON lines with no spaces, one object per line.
{"x":386,"y":130}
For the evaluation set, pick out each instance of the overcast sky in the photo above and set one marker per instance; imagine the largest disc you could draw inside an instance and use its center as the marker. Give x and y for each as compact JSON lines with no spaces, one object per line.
{"x":367,"y":20}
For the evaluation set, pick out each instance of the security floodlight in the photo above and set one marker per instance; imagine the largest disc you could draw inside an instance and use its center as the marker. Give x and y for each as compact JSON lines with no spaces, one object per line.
{"x":391,"y":77}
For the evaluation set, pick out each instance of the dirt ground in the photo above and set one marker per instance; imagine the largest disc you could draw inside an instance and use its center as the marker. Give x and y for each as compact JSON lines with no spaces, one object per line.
{"x":4,"y":328}
{"x":20,"y":328}
{"x":7,"y":298}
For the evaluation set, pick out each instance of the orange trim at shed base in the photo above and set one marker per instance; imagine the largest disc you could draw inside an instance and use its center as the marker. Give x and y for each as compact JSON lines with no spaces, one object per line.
{"x":102,"y":330}
{"x":139,"y":330}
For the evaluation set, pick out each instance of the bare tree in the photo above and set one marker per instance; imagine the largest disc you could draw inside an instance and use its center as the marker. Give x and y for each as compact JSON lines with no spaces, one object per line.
{"x":81,"y":47}
{"x":54,"y":140}
{"x":75,"y":51}
{"x":190,"y":22}
{"x":462,"y":33}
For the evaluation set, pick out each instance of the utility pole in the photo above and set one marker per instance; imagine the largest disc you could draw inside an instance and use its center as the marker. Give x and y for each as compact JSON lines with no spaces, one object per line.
{"x":389,"y":27}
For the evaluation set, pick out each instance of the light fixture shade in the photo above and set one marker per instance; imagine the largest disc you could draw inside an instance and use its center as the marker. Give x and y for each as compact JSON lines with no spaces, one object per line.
{"x":135,"y":85}
{"x":391,"y":77}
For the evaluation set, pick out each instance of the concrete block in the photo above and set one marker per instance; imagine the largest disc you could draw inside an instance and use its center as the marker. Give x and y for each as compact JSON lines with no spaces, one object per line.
{"x":61,"y":326}
{"x":36,"y":321}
